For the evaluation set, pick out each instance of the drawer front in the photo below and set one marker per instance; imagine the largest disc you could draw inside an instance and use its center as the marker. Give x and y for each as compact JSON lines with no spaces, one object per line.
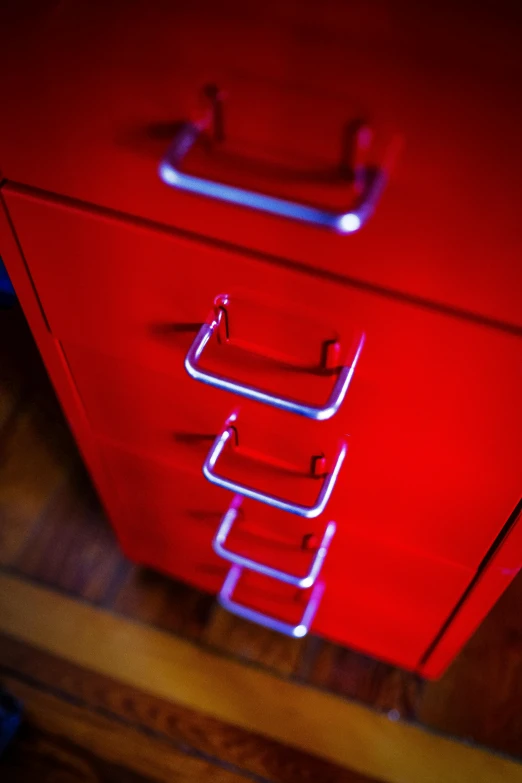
{"x":382,"y":487}
{"x":177,"y":419}
{"x":384,"y":600}
{"x":164,"y":518}
{"x":432,"y":412}
{"x":446,"y":227}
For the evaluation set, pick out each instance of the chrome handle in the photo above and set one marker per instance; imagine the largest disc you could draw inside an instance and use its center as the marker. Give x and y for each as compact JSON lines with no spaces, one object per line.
{"x":303,"y":582}
{"x":252,"y":393}
{"x":297,"y":631}
{"x":344,"y":222}
{"x":310,"y":512}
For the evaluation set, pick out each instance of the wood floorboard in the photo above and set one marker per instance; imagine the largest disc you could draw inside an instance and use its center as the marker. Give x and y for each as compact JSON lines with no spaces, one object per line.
{"x":165,"y":603}
{"x":232,"y":634}
{"x":37,"y":755}
{"x":73,"y":548}
{"x":305,"y":718}
{"x":62,"y":740}
{"x":29,"y":476}
{"x":356,"y":676}
{"x":185,"y":728}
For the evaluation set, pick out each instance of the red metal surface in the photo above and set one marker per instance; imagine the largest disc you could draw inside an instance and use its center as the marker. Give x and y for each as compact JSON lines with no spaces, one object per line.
{"x":380,"y":599}
{"x":502,"y":568}
{"x":432,"y":415}
{"x":150,"y":508}
{"x":107,"y":88}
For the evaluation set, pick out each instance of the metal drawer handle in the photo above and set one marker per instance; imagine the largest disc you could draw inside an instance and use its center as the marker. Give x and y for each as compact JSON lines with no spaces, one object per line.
{"x":369,"y":182}
{"x":303,"y":582}
{"x":297,"y":631}
{"x":252,"y":393}
{"x":309,"y":512}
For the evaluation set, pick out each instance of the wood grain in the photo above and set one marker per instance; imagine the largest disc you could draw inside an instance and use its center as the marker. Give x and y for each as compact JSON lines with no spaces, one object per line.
{"x":36,"y":449}
{"x":186,"y":728}
{"x":74,"y":548}
{"x":37,"y":755}
{"x":29,"y":474}
{"x":356,"y":676}
{"x":90,"y":747}
{"x":157,"y":600}
{"x":302,"y":717}
{"x":231,"y":634}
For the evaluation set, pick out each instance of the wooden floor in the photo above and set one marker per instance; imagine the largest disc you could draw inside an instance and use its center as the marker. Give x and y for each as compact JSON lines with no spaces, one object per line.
{"x":85,"y":727}
{"x":53,"y":534}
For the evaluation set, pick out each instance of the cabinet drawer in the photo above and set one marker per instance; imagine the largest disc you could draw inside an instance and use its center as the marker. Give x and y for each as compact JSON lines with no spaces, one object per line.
{"x":383,"y":489}
{"x":385,"y":600}
{"x":446,"y":227}
{"x":165,"y":518}
{"x":432,"y":412}
{"x":174,"y":418}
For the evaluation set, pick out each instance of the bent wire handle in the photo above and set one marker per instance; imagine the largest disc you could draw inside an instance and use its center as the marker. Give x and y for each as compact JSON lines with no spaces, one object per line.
{"x":297,"y":631}
{"x":319,"y":413}
{"x":303,"y":582}
{"x":345,"y":222}
{"x":309,"y":512}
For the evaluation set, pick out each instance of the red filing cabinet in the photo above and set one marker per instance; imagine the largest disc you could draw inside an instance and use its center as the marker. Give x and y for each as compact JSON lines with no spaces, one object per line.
{"x":271,"y":260}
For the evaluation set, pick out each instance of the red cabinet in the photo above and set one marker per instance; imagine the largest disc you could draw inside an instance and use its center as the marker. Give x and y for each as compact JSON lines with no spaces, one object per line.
{"x":381,"y":599}
{"x":431,"y":415}
{"x":112,"y":87}
{"x":366,"y":384}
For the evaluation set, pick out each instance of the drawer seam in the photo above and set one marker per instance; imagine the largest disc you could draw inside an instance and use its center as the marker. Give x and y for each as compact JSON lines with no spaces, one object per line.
{"x":511,"y":522}
{"x":78,"y":205}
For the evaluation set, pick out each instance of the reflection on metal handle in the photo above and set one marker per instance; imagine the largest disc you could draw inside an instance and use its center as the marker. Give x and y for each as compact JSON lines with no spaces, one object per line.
{"x":319,"y":413}
{"x":343,"y":222}
{"x":299,"y":581}
{"x":310,"y":512}
{"x":297,"y":631}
